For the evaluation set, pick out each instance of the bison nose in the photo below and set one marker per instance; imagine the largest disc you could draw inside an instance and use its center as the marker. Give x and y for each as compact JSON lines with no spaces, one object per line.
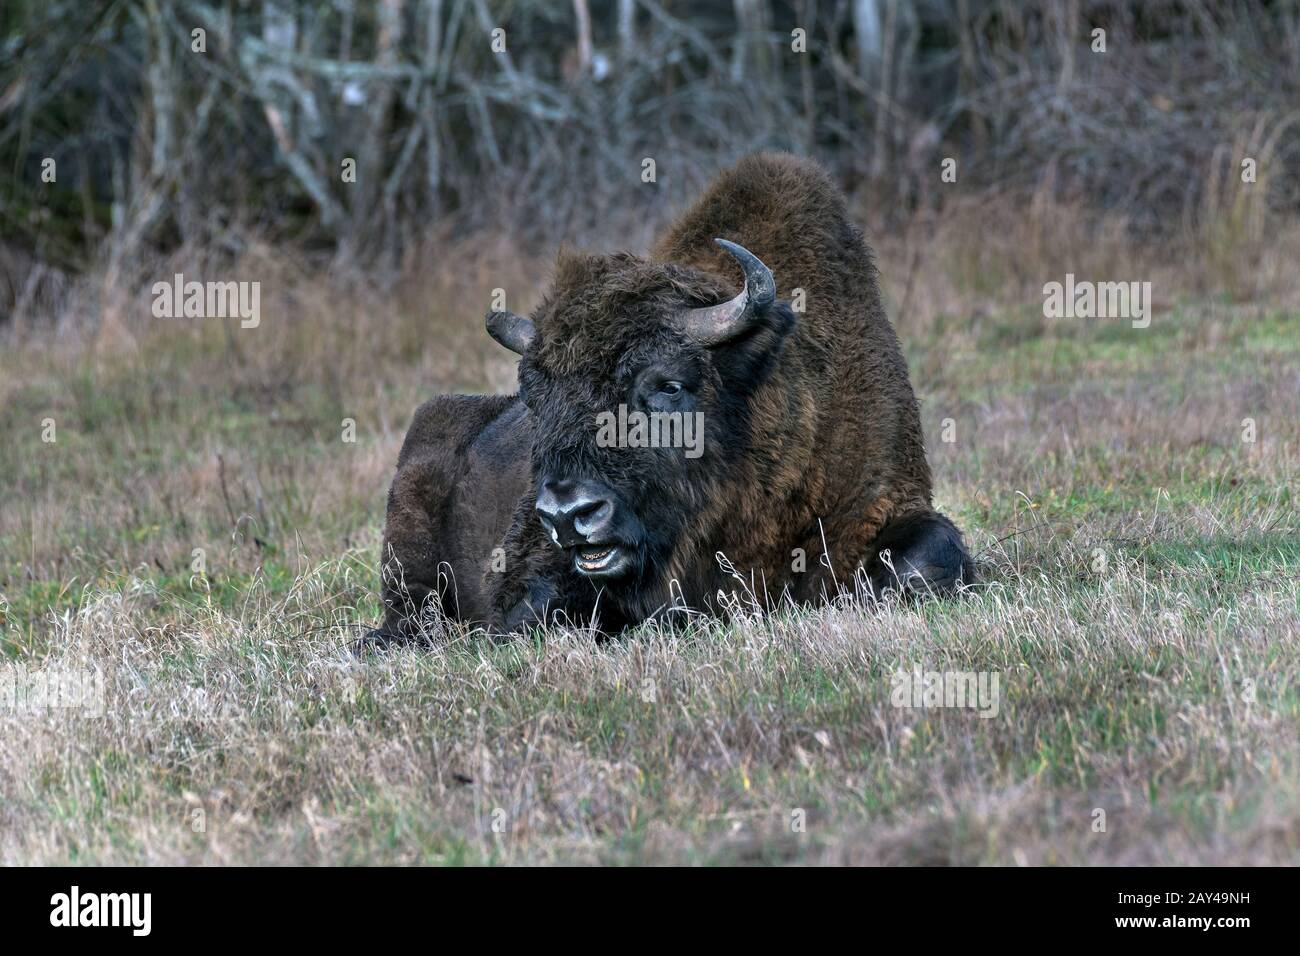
{"x":575,"y":512}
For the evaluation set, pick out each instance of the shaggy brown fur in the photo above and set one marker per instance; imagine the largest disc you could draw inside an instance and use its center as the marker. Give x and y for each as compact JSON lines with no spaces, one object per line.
{"x":837,"y":427}
{"x":461,"y":470}
{"x":813,"y":431}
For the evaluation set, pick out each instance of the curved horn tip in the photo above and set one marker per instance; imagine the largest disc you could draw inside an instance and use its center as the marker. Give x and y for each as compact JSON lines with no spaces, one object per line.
{"x":510,"y":330}
{"x":758,"y":277}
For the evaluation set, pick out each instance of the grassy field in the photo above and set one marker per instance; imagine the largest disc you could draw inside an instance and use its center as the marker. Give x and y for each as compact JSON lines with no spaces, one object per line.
{"x":200,"y":533}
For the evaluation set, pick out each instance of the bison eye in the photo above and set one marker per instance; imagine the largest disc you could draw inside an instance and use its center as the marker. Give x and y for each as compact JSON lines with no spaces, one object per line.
{"x":671,"y":388}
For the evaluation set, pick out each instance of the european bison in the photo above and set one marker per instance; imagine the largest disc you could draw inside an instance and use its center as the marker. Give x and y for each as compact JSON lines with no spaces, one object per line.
{"x":808,"y":472}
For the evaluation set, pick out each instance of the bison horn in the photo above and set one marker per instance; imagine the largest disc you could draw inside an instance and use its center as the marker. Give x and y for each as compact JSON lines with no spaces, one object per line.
{"x":512,"y":331}
{"x":714,"y":324}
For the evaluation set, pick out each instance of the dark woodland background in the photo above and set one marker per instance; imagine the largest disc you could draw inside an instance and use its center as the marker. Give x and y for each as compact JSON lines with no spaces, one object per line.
{"x":160,"y":148}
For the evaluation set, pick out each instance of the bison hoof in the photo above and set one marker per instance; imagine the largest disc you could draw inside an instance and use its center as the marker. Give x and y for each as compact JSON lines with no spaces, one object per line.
{"x":377,"y":639}
{"x":926,"y":555}
{"x":531,"y":611}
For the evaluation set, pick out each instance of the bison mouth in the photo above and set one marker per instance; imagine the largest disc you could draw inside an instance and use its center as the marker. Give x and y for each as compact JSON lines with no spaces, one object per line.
{"x":589,"y":521}
{"x":610,"y":560}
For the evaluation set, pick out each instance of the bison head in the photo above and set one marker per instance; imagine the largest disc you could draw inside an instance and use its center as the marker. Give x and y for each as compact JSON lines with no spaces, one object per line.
{"x":638,"y":376}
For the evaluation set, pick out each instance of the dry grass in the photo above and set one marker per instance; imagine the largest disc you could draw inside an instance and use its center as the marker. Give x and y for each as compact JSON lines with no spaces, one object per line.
{"x":297,"y":753}
{"x":1141,"y":604}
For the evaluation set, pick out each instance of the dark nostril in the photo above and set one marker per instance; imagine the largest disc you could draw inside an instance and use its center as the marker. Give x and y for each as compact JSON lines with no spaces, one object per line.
{"x":591,"y":517}
{"x":585,"y":507}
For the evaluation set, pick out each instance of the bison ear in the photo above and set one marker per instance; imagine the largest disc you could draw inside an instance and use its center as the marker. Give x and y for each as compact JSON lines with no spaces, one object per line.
{"x":513,"y":331}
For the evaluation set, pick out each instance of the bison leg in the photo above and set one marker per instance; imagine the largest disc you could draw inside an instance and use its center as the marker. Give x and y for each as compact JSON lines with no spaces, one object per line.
{"x":427,"y":558}
{"x":413,"y":574}
{"x":922,"y":553}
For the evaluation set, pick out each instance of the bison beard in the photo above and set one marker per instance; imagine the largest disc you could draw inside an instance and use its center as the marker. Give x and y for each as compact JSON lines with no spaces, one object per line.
{"x":506,"y":510}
